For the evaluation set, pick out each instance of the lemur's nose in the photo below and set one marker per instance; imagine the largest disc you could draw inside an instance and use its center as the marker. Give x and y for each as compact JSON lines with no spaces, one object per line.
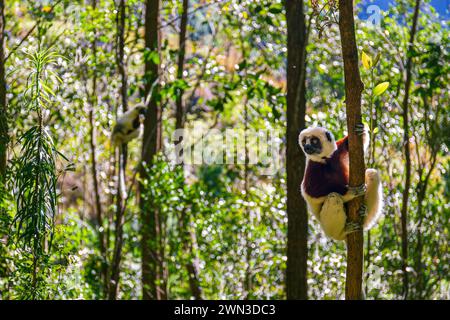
{"x":309,"y":149}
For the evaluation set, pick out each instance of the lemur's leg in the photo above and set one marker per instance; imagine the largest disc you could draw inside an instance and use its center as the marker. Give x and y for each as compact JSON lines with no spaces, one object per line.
{"x":314,"y":204}
{"x":373,"y":198}
{"x":333,"y":217}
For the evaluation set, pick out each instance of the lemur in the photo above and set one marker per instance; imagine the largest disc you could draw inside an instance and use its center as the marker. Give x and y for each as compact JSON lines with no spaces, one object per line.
{"x":128,"y":126}
{"x":325,"y":183}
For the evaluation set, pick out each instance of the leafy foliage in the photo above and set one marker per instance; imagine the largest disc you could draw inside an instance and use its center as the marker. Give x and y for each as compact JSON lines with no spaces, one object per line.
{"x":234,"y":77}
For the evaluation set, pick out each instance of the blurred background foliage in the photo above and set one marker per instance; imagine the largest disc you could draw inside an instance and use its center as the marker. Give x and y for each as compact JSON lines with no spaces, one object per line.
{"x":235,"y":60}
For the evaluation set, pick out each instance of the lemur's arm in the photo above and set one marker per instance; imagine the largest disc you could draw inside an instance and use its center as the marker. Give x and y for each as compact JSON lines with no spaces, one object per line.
{"x":342,"y":144}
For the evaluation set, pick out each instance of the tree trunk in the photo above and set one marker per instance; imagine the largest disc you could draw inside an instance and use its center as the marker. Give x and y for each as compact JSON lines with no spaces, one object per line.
{"x":297,"y":246}
{"x":180,"y":116}
{"x":353,"y":90}
{"x":152,"y":261}
{"x":4,"y":138}
{"x":407,"y":151}
{"x":92,"y":145}
{"x":122,"y":160}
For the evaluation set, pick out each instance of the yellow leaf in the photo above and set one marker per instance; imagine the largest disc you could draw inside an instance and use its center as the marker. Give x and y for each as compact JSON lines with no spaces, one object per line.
{"x":46,"y":9}
{"x":366,"y":61}
{"x":380,"y":88}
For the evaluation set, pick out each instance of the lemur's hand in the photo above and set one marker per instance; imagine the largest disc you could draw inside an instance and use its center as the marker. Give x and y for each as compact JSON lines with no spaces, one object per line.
{"x":358,"y":190}
{"x":360,"y":129}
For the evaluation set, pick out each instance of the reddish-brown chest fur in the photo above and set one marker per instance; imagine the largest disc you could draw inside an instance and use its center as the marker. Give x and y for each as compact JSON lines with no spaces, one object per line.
{"x":321,"y":179}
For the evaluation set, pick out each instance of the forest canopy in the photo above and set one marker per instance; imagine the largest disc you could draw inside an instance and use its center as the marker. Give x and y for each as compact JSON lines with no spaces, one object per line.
{"x":98,"y":200}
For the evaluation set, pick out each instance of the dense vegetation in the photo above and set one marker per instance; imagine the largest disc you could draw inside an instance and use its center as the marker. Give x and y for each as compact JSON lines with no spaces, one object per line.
{"x":70,"y":229}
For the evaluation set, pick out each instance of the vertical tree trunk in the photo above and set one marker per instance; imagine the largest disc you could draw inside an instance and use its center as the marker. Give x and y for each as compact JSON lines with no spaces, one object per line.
{"x":92,"y":145}
{"x":297,"y":247}
{"x":180,"y":117}
{"x":353,"y":90}
{"x":122,"y":161}
{"x":3,"y":110}
{"x":405,"y":105}
{"x":421,"y":193}
{"x":180,"y":114}
{"x":152,"y":261}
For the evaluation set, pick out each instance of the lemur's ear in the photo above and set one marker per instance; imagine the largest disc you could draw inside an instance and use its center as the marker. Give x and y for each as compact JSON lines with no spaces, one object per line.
{"x":328,"y":134}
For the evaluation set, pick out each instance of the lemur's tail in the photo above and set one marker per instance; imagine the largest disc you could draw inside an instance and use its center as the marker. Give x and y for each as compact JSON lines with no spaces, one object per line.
{"x":373,"y":198}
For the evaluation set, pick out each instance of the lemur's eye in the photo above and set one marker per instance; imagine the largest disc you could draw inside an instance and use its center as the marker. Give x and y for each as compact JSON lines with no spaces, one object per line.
{"x":314,"y":141}
{"x":303,"y":141}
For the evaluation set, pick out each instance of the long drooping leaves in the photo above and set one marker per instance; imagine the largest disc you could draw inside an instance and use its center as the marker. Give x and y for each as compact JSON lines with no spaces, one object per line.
{"x":36,"y":174}
{"x":36,"y":190}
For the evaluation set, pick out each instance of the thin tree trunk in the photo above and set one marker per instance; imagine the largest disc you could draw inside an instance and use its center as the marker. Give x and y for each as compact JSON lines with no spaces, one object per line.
{"x":353,"y":90}
{"x":191,"y":266}
{"x":180,"y":116}
{"x":92,"y":145}
{"x":152,"y":263}
{"x":4,"y":139}
{"x":421,"y":193}
{"x":297,"y":246}
{"x":122,"y":159}
{"x":405,"y":105}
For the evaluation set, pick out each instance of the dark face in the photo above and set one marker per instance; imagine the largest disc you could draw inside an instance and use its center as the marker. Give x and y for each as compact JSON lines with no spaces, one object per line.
{"x":312,"y":145}
{"x":143,"y":110}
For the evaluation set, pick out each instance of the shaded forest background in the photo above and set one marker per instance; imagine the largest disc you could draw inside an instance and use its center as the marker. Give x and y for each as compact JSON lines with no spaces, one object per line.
{"x":68,"y":69}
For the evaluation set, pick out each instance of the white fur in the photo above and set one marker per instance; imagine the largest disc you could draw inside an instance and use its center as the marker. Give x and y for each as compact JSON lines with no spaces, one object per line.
{"x":328,"y":147}
{"x":124,"y":124}
{"x":333,"y":217}
{"x":373,"y":198}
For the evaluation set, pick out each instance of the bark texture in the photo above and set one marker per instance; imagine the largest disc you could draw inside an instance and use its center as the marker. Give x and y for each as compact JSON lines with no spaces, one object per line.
{"x":4,"y":138}
{"x":153,"y":279}
{"x":180,"y":117}
{"x":93,"y":150}
{"x":407,"y":153}
{"x":353,"y":90}
{"x":297,"y":255}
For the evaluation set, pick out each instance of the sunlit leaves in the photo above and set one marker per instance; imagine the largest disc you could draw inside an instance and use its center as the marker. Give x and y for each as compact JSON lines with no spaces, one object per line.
{"x":366,"y":61}
{"x":40,"y":78}
{"x":151,"y":56}
{"x":380,"y":88}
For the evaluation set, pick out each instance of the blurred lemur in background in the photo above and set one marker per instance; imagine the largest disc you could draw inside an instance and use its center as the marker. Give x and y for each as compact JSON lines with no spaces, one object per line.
{"x":128,"y":126}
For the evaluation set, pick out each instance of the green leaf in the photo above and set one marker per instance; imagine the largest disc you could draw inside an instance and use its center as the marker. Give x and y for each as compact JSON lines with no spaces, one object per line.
{"x":151,"y":56}
{"x":366,"y":61}
{"x":380,"y":88}
{"x":276,"y":8}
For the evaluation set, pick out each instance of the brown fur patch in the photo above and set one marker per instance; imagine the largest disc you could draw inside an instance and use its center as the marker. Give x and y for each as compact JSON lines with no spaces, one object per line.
{"x":321,"y":179}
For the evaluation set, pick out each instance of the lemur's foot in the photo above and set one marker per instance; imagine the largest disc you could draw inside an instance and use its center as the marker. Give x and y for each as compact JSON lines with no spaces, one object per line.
{"x":362,"y":212}
{"x":351,"y":227}
{"x":358,"y":190}
{"x":360,"y":129}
